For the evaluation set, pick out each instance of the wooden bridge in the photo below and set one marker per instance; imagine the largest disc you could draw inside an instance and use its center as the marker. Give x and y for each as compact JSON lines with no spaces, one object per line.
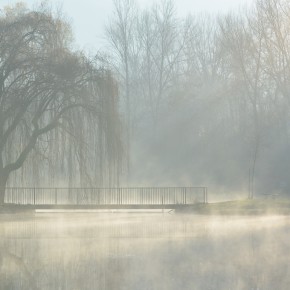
{"x":105,"y":198}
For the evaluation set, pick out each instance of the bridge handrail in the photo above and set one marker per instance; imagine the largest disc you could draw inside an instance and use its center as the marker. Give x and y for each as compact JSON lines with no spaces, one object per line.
{"x":106,"y":195}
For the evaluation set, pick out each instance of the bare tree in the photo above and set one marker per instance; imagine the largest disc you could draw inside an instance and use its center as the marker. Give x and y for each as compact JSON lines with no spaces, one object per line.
{"x":120,"y":36}
{"x":243,"y":40}
{"x":274,"y":17}
{"x":162,"y":39}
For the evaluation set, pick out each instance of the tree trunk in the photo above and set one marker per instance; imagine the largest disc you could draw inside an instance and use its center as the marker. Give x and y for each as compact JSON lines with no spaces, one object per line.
{"x":255,"y":153}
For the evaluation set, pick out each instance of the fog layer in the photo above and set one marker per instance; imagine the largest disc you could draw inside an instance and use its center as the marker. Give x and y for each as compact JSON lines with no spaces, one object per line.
{"x":144,"y":251}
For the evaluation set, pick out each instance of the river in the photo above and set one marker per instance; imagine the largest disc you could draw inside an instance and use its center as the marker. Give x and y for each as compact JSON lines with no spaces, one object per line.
{"x":137,"y":251}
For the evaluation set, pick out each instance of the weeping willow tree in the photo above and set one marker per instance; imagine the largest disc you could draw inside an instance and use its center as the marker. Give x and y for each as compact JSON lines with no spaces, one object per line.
{"x":59,"y":121}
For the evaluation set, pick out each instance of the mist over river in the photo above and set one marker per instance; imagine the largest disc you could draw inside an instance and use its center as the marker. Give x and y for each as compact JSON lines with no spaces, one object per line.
{"x":143,"y":251}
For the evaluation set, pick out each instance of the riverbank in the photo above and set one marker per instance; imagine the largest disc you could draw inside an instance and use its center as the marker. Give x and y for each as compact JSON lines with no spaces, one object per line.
{"x":240,"y":207}
{"x":15,"y":209}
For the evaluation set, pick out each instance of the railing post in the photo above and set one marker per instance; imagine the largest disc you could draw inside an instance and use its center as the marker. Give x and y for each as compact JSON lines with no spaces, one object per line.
{"x":55,"y":196}
{"x":183,"y":195}
{"x":205,"y":195}
{"x":34,"y":195}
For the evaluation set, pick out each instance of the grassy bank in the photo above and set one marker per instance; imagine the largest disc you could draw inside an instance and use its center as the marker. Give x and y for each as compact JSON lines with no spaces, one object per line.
{"x":241,"y":207}
{"x":14,"y":209}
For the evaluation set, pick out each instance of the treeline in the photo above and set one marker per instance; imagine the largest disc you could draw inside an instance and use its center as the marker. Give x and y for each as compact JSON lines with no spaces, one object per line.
{"x":205,"y":99}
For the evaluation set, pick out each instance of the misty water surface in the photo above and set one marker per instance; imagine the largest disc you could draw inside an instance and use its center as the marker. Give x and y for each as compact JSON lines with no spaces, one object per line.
{"x":144,"y":251}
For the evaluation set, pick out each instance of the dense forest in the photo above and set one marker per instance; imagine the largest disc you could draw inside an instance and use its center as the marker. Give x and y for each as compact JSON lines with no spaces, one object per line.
{"x":206,"y":98}
{"x":201,"y":100}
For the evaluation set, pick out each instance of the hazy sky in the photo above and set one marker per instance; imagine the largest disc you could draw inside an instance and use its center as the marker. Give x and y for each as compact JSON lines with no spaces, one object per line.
{"x":88,"y":17}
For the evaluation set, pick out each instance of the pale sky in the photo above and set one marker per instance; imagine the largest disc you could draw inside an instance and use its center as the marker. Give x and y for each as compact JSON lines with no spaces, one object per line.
{"x":88,"y":17}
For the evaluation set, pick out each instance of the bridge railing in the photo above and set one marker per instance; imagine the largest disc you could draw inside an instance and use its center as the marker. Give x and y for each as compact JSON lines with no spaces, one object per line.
{"x":106,"y":196}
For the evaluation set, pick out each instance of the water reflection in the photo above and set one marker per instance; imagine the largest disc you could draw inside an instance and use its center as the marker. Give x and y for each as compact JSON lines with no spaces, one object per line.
{"x":139,"y":251}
